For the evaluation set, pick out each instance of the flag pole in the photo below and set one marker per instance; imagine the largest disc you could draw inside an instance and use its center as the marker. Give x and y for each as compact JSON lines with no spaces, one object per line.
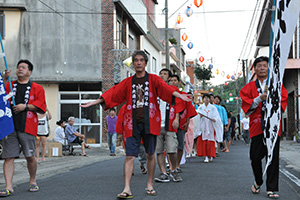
{"x":13,"y":99}
{"x":271,"y":39}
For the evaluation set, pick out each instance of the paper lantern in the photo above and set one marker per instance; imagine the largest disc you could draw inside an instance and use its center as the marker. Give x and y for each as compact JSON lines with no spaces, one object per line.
{"x":179,"y":19}
{"x":225,"y":83}
{"x":230,"y":94}
{"x":212,"y":89}
{"x":201,"y":58}
{"x":198,"y":3}
{"x":189,"y":11}
{"x":195,"y":92}
{"x":228,"y":77}
{"x":237,"y":98}
{"x":210,"y":66}
{"x":232,"y":77}
{"x":190,"y":45}
{"x":217,"y":72}
{"x":223,"y":73}
{"x":184,"y":37}
{"x":176,"y":26}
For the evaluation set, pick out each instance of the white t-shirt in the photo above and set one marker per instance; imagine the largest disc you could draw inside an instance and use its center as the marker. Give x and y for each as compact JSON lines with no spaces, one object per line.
{"x":245,"y":122}
{"x":162,"y":108}
{"x":60,"y":135}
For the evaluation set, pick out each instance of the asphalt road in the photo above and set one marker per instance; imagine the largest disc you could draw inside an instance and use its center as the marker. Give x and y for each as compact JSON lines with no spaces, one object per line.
{"x":227,"y":177}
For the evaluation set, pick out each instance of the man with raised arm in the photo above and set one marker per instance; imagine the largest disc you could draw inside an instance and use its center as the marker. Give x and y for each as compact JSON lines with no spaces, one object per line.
{"x":141,"y":115}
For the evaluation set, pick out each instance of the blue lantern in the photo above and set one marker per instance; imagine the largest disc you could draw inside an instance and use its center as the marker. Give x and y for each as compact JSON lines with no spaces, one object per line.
{"x":210,"y":66}
{"x":232,"y":77}
{"x":189,"y":11}
{"x":190,"y":45}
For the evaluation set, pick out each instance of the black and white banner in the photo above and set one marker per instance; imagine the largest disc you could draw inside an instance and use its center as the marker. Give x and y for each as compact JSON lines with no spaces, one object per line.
{"x":283,"y":28}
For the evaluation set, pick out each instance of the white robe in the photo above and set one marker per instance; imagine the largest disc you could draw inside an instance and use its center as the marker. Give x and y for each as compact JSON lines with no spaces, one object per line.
{"x":208,"y":127}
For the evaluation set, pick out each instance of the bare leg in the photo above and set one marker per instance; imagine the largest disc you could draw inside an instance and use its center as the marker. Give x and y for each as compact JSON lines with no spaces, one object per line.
{"x":151,"y":170}
{"x":37,"y":149}
{"x":173,"y":161}
{"x":128,"y":169}
{"x":83,"y":148}
{"x":44,"y":140}
{"x":161,"y":162}
{"x":179,"y":156}
{"x":8,"y":170}
{"x":32,"y":167}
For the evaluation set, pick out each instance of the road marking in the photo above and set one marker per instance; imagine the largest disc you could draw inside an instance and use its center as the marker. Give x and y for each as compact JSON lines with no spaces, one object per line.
{"x":290,"y":176}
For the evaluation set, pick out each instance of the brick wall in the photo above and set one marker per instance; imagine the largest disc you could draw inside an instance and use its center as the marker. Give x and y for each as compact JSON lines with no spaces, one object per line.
{"x":107,"y":54}
{"x":107,"y":44}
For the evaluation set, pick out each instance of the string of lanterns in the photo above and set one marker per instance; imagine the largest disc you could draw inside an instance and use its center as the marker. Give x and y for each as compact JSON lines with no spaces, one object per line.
{"x":179,"y":19}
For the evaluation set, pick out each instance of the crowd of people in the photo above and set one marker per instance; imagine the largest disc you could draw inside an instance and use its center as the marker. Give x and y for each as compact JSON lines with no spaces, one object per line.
{"x":154,"y":121}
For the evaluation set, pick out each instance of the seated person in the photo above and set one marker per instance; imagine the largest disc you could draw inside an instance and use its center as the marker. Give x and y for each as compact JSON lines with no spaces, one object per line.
{"x":74,"y":136}
{"x":60,"y":134}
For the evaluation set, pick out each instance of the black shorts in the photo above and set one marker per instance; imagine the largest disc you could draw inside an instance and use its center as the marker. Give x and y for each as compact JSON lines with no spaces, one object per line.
{"x":77,"y":140}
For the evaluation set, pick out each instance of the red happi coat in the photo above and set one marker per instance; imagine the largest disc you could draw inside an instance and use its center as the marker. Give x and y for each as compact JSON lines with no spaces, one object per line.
{"x":119,"y":126}
{"x":248,"y":93}
{"x":123,"y":92}
{"x":178,"y":107}
{"x":188,"y":112}
{"x":36,"y":98}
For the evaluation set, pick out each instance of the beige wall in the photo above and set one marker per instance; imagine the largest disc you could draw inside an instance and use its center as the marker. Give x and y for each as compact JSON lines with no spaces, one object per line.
{"x":10,"y":42}
{"x":51,"y":93}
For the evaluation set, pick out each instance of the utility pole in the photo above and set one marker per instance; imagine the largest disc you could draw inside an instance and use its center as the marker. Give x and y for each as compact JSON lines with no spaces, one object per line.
{"x":167,"y":35}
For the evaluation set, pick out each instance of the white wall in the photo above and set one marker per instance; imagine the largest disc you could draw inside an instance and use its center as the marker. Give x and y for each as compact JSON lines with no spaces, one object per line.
{"x":146,"y":45}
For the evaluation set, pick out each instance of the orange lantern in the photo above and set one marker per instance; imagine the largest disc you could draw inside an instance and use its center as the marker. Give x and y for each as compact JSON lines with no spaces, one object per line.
{"x":225,"y":83}
{"x":217,"y":72}
{"x":198,"y":3}
{"x":184,"y":37}
{"x":212,"y":89}
{"x":228,"y":77}
{"x":179,"y":19}
{"x":201,"y":59}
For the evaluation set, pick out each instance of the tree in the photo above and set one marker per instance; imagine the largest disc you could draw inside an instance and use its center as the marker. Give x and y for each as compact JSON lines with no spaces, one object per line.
{"x":203,"y":74}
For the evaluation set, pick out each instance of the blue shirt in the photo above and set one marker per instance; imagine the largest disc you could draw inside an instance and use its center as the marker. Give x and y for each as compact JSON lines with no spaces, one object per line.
{"x":222,"y":113}
{"x":69,"y":133}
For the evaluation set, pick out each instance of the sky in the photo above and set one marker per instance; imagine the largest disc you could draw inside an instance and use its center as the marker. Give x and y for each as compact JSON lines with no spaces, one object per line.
{"x":218,"y":34}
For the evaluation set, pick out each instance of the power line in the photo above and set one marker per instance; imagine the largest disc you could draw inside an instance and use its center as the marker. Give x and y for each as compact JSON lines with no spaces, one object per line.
{"x":251,"y":25}
{"x":134,"y":13}
{"x":80,"y":18}
{"x":60,"y":14}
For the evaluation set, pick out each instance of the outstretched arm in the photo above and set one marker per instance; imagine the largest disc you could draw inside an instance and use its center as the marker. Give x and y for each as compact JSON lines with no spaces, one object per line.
{"x":184,"y":97}
{"x":92,"y":103}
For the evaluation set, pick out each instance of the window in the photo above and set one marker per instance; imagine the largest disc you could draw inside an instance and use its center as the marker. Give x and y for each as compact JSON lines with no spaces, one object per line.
{"x":148,"y":64}
{"x":2,"y":24}
{"x":88,"y":121}
{"x":120,"y":34}
{"x":154,"y":65}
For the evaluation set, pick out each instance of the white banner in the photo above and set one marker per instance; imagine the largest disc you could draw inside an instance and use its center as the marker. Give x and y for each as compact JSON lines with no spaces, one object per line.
{"x":285,"y":21}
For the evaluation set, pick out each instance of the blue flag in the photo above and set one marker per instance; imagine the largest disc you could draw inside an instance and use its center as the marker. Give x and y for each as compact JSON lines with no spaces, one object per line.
{"x":6,"y":120}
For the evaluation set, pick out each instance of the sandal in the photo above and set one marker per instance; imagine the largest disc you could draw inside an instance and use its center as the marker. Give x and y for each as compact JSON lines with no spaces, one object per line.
{"x":151,"y":192}
{"x":179,"y":170}
{"x":33,"y":188}
{"x":143,"y":169}
{"x":256,"y":188}
{"x":125,"y":195}
{"x":272,"y":195}
{"x":85,"y":155}
{"x":6,"y":193}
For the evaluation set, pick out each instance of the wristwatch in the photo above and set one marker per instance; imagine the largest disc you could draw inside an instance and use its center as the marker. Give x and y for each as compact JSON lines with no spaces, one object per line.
{"x":26,"y":108}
